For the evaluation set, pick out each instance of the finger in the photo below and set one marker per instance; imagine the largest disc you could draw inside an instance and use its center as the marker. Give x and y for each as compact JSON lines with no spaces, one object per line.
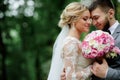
{"x":95,"y":64}
{"x":104,"y":61}
{"x":94,"y":67}
{"x":63,"y":69}
{"x":63,"y":76}
{"x":92,"y":70}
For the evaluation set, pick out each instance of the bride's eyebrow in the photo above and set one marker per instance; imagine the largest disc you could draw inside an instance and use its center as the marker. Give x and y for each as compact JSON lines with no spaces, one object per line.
{"x":86,"y":16}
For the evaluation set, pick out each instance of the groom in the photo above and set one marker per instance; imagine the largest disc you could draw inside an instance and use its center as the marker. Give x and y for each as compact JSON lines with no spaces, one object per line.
{"x":103,"y":16}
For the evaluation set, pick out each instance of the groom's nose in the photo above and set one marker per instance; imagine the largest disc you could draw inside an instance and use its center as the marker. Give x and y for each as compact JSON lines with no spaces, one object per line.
{"x":94,"y":22}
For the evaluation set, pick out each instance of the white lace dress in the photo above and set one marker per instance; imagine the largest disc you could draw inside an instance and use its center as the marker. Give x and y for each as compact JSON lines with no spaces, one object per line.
{"x":77,"y":67}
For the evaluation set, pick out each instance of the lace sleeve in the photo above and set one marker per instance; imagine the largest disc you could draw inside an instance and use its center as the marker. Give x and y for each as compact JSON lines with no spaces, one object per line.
{"x":72,"y":52}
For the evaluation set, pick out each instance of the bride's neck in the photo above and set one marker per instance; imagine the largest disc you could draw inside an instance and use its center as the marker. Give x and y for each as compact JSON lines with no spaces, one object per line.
{"x":74,"y":33}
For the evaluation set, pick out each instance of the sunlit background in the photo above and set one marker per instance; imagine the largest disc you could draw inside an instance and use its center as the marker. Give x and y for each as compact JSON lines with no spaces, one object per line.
{"x":28,"y":29}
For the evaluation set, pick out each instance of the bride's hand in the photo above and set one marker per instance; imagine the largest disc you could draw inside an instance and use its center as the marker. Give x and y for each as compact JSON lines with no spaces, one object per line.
{"x":63,"y":75}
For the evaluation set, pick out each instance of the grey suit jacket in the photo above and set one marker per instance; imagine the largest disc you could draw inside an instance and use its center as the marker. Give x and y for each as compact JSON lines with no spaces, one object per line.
{"x":114,"y":69}
{"x":114,"y":64}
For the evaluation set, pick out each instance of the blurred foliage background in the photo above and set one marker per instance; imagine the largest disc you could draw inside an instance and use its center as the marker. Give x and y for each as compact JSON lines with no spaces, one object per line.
{"x":28,"y":29}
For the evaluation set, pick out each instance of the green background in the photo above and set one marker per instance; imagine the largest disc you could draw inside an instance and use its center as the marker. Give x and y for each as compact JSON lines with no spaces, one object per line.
{"x":28,"y":29}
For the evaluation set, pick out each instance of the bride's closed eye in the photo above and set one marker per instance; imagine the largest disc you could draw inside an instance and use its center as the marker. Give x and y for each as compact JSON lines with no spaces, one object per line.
{"x":85,"y":18}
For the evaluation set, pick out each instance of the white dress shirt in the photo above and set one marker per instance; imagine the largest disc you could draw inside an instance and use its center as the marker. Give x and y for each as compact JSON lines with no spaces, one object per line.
{"x":113,"y":27}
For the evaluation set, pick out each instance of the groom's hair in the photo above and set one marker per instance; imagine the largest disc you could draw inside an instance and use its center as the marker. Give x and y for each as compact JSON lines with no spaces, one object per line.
{"x":104,"y":5}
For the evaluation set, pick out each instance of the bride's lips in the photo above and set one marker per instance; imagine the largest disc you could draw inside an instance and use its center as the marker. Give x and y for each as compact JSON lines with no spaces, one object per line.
{"x":88,"y":26}
{"x":97,"y":25}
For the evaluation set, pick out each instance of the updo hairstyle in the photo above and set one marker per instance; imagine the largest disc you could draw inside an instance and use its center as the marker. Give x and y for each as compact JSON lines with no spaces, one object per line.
{"x":71,"y":12}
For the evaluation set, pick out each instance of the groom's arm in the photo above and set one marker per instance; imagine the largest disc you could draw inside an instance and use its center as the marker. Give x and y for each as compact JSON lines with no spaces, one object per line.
{"x":104,"y":71}
{"x":113,"y":74}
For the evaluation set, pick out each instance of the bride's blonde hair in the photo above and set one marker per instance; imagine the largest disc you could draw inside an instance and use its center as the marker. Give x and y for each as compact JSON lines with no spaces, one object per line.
{"x":70,"y":13}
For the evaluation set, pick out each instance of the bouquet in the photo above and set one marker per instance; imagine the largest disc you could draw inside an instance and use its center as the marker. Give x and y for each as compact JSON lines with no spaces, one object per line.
{"x":98,"y":44}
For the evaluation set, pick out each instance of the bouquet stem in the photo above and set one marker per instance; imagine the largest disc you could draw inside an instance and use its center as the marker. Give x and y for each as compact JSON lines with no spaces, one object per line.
{"x":99,"y":60}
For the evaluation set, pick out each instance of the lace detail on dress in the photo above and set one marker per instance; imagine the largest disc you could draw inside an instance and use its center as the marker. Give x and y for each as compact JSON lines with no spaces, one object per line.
{"x":77,"y":67}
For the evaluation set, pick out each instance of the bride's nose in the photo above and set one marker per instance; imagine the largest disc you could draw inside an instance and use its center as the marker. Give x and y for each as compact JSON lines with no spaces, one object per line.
{"x":89,"y":21}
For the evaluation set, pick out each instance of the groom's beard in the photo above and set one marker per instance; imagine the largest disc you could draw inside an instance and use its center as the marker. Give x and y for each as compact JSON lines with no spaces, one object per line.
{"x":106,"y":27}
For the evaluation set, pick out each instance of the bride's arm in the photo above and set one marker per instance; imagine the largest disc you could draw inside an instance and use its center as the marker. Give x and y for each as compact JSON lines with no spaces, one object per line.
{"x":71,"y":51}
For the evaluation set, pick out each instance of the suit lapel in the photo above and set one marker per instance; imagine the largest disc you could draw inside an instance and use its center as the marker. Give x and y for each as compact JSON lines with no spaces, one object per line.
{"x":116,"y":32}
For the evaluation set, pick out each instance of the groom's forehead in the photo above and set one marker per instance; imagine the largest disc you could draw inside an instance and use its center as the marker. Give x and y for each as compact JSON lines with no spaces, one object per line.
{"x":96,"y":11}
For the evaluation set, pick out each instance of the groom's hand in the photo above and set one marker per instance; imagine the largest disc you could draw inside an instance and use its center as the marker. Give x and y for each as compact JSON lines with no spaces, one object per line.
{"x":100,"y":70}
{"x":63,"y":75}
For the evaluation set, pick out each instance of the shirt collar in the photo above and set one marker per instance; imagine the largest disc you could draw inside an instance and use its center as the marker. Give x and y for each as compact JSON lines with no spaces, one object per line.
{"x":113,"y":27}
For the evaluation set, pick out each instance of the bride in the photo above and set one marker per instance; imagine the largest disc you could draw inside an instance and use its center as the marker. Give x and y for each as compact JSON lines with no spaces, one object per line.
{"x":74,"y":20}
